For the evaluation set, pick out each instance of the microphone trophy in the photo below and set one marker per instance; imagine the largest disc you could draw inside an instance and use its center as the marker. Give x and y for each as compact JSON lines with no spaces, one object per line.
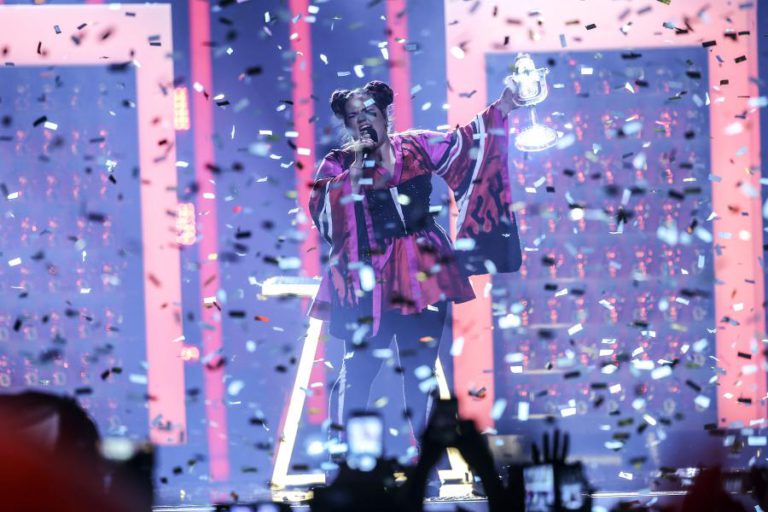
{"x":530,"y":87}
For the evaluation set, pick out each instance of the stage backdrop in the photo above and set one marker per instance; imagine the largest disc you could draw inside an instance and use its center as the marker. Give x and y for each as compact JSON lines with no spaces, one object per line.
{"x":156,"y":162}
{"x":609,"y":329}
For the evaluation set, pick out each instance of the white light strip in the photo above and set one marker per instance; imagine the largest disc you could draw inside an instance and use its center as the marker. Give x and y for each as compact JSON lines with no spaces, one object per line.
{"x":459,"y":468}
{"x":280,"y":477}
{"x":307,"y":287}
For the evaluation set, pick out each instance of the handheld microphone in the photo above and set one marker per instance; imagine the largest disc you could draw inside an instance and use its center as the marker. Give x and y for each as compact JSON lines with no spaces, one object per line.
{"x":375,"y":138}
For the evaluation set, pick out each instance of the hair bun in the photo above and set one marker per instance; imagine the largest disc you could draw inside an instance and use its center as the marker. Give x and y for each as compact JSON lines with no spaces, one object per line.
{"x":338,"y":100}
{"x":382,"y":93}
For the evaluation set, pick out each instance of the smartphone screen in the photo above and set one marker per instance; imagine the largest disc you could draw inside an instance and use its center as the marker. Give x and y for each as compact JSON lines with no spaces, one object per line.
{"x":539,"y":481}
{"x":571,"y":484}
{"x":364,"y":441}
{"x":737,"y":482}
{"x":256,"y":507}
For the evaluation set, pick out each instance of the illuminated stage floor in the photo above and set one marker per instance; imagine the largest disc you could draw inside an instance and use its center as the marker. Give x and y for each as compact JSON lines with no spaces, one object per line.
{"x":601,"y":499}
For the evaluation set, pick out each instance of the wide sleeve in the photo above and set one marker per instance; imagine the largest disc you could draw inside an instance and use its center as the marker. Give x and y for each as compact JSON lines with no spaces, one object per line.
{"x":461,"y":154}
{"x":330,"y":174}
{"x":327,"y":186}
{"x":472,"y":159}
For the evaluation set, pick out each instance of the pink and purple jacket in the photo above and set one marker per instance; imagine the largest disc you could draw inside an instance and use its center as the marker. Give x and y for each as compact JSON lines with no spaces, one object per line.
{"x":387,"y":251}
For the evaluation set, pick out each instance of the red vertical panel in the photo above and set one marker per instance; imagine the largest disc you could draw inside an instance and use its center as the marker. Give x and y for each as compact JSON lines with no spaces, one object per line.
{"x":202,"y":123}
{"x":399,"y":63}
{"x":738,"y":230}
{"x":472,"y":320}
{"x":303,"y":110}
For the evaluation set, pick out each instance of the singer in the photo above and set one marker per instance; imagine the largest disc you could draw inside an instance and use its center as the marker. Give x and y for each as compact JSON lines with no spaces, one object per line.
{"x":392,"y":268}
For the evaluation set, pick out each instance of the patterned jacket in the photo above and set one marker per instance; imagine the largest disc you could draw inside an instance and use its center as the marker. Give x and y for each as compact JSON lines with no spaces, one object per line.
{"x":387,"y":252}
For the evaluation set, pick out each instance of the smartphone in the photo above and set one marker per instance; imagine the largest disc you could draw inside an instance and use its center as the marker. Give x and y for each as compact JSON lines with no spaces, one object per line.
{"x":737,"y":481}
{"x":539,"y":488}
{"x":365,"y":433}
{"x":266,"y":506}
{"x":572,"y":487}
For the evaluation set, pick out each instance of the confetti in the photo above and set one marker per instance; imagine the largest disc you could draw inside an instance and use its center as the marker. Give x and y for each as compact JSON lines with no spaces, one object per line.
{"x":498,"y":408}
{"x":457,"y":52}
{"x":610,"y":322}
{"x":523,"y":411}
{"x":574,"y":329}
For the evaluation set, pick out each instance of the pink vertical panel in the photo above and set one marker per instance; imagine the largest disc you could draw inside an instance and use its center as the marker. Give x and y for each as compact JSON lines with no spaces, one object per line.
{"x":740,"y":301}
{"x":399,"y":63}
{"x":303,"y":111}
{"x":202,"y":124}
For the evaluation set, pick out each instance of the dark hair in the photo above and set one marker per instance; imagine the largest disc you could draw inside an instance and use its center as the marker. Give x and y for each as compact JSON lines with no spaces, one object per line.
{"x":380,"y":92}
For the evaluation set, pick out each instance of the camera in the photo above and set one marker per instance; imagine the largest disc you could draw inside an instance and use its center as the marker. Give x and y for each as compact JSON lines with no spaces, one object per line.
{"x":572,"y":485}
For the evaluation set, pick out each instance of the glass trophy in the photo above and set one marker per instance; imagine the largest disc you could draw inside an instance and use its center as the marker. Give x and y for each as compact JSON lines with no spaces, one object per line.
{"x":530,"y":87}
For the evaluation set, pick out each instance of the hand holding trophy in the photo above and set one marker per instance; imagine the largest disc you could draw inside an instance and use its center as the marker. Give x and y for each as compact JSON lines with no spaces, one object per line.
{"x":529,"y":88}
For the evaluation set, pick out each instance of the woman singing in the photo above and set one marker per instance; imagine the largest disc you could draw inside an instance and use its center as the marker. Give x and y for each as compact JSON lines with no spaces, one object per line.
{"x":393,"y":270}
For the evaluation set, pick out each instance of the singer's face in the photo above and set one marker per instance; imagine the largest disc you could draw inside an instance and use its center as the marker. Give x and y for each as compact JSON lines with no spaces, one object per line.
{"x":361,"y":113}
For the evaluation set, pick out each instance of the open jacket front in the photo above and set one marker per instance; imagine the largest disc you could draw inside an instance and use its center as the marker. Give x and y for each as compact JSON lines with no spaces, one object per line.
{"x":387,"y":251}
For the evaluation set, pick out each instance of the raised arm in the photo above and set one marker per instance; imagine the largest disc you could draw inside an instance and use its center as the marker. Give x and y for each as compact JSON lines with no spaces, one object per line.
{"x":472,"y":159}
{"x":455,"y":153}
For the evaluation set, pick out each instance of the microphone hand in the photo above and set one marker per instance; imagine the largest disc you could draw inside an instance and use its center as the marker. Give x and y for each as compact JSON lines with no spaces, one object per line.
{"x":367,"y":142}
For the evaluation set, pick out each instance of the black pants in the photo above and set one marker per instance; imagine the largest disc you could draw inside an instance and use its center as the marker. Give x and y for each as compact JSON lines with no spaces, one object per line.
{"x":417,"y":339}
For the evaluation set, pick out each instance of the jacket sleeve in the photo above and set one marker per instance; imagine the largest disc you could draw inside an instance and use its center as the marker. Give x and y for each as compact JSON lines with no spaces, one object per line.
{"x":472,"y":159}
{"x":462,"y":156}
{"x":330,"y":174}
